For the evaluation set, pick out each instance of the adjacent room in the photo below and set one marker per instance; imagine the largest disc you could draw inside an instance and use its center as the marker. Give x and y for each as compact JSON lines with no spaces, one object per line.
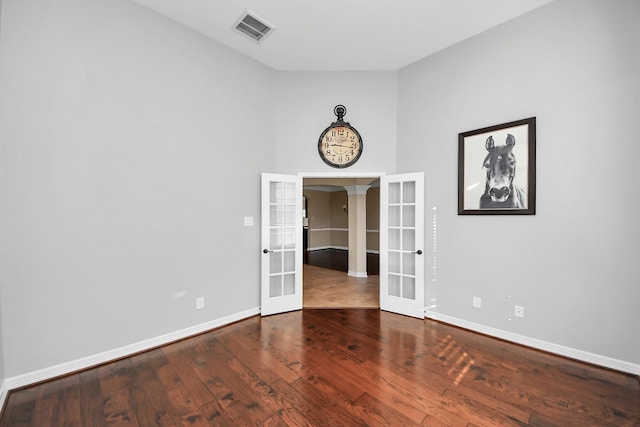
{"x":177,"y":179}
{"x":332,"y":276}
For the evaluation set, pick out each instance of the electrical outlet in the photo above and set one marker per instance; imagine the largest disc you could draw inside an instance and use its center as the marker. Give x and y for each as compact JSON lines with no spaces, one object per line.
{"x":199,"y":303}
{"x":477,"y":302}
{"x":519,"y":311}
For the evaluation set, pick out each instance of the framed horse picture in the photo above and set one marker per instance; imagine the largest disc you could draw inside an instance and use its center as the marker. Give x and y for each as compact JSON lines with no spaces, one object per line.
{"x":497,"y":169}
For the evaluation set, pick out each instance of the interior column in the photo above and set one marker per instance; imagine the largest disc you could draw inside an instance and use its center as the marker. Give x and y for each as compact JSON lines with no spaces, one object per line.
{"x":357,"y":229}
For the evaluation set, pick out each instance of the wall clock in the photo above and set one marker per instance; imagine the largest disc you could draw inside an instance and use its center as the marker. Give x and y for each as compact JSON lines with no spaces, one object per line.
{"x":340,"y":145}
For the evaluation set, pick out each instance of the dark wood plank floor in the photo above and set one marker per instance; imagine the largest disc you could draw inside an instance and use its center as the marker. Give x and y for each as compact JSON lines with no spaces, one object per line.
{"x":334,"y":368}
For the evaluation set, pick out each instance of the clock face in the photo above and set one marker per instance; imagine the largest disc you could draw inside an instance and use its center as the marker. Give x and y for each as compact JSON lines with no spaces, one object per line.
{"x":340,"y":146}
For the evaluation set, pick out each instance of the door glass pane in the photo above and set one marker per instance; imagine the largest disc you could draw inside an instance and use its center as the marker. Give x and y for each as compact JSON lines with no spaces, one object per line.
{"x":408,"y":216}
{"x":275,"y":286}
{"x":394,"y":285}
{"x":394,"y":192}
{"x":275,"y":215}
{"x":409,"y":263}
{"x":394,"y":216}
{"x":394,"y":262}
{"x":289,"y":238}
{"x":289,"y":215}
{"x":289,"y":284}
{"x":409,"y":192}
{"x":289,"y":261}
{"x":275,"y":262}
{"x":408,"y":287}
{"x":408,"y":240}
{"x":275,"y":240}
{"x":275,"y":191}
{"x":289,"y":196}
{"x":394,"y":238}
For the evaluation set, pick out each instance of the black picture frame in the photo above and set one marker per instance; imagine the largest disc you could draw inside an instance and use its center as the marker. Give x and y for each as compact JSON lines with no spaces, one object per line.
{"x":497,"y":169}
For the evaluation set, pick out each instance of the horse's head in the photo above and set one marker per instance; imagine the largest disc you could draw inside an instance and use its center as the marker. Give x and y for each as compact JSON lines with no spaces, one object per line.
{"x":500,"y":164}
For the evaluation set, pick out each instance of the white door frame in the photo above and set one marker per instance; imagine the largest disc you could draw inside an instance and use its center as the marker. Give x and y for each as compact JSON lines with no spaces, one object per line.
{"x":341,"y":174}
{"x":338,"y":175}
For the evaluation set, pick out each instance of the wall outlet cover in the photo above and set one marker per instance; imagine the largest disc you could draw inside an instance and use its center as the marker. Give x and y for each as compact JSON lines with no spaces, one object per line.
{"x":519,"y":311}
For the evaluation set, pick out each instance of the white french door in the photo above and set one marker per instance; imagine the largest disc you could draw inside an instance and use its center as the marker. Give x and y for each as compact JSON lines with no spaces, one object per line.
{"x":402,"y":244}
{"x":281,"y":284}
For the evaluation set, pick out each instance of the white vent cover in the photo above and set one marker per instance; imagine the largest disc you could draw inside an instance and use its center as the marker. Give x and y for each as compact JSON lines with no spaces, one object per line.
{"x":253,"y":27}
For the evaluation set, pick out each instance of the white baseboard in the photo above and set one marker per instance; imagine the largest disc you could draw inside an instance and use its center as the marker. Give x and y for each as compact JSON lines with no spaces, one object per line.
{"x":357,"y":273}
{"x":572,"y":353}
{"x":4,"y":392}
{"x":340,"y":248}
{"x":118,"y":353}
{"x":322,"y":248}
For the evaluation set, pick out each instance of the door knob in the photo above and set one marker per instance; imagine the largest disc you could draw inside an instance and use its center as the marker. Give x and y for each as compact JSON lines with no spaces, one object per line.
{"x":266,"y":251}
{"x":419,"y":252}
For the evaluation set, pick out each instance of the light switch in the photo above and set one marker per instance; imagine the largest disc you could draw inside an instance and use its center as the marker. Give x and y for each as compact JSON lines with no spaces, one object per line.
{"x":248,"y":221}
{"x":477,"y":302}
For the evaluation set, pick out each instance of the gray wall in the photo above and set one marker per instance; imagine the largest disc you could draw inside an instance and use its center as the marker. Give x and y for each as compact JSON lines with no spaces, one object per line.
{"x":2,"y":354}
{"x":2,"y":375}
{"x":120,"y":134}
{"x":305,"y":102}
{"x":575,"y":64}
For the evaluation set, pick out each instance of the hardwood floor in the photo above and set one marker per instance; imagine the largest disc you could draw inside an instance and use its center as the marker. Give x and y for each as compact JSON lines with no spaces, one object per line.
{"x":334,"y":368}
{"x":338,"y":259}
{"x":326,"y":288}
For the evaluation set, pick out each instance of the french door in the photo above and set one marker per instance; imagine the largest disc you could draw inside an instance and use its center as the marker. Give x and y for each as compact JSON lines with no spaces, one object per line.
{"x":281,"y":287}
{"x":402,"y":244}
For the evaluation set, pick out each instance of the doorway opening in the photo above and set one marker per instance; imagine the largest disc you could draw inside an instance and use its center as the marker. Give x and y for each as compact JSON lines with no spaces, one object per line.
{"x":401,"y":240}
{"x":341,"y":244}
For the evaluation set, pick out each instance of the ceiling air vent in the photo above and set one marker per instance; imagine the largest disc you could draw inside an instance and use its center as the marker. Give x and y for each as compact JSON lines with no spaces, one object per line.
{"x":252,"y":26}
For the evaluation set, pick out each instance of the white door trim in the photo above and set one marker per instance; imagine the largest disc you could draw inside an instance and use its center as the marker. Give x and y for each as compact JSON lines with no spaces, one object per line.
{"x":341,"y":174}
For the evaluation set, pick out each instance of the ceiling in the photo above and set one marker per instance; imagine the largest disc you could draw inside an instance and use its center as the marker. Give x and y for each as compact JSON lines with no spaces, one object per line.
{"x":343,"y":35}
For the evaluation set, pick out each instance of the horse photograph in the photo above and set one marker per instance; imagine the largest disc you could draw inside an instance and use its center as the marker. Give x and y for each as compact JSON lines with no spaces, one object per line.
{"x":494,"y":169}
{"x":500,"y":164}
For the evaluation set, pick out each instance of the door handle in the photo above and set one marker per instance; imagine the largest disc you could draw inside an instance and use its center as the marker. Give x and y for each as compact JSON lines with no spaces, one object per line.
{"x":266,"y":251}
{"x":419,"y":252}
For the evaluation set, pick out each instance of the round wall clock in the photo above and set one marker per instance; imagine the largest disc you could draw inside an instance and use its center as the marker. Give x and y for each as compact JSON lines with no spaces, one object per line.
{"x":340,"y":145}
